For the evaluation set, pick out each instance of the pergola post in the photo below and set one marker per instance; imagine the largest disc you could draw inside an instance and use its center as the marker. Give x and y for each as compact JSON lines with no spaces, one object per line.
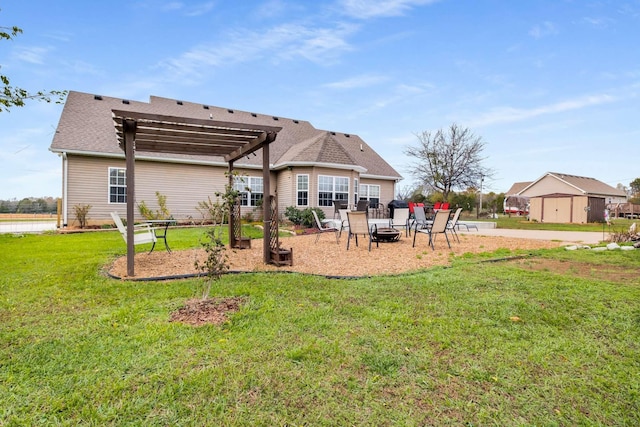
{"x":266,"y":210}
{"x":129,"y":130}
{"x":232,"y":218}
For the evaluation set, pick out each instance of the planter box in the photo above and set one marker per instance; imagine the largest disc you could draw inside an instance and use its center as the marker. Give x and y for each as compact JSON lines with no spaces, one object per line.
{"x":243,"y":243}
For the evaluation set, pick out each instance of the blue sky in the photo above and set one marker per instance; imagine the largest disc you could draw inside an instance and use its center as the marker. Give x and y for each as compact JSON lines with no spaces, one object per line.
{"x":550,"y":85}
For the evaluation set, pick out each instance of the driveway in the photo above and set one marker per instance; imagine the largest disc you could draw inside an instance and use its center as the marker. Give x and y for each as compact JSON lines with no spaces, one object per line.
{"x":27,"y":226}
{"x":569,"y":237}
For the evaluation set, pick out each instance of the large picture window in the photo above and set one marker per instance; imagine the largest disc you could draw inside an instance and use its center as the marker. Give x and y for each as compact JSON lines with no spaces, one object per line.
{"x":302,"y":192}
{"x":117,"y":185}
{"x":332,"y":188}
{"x":251,"y":189}
{"x":371,"y":193}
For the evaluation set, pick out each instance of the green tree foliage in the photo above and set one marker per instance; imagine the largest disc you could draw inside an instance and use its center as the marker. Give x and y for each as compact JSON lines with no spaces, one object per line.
{"x":29,"y":205}
{"x":11,"y":96}
{"x":635,"y":187}
{"x":303,"y":217}
{"x":448,"y":159}
{"x":466,"y":200}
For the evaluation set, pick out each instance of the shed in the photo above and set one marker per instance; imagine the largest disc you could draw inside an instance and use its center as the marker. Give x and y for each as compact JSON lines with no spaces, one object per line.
{"x":563,"y":198}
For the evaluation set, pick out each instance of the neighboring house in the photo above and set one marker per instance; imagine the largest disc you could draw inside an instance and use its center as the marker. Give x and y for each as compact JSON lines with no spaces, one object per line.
{"x":309,"y":167}
{"x":563,"y":198}
{"x":514,"y":203}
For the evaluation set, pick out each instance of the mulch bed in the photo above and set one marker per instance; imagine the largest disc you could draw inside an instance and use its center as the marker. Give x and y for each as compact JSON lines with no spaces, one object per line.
{"x":328,"y":258}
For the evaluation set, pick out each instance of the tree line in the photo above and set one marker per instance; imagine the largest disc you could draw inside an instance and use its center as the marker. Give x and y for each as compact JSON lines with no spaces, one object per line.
{"x":34,"y":205}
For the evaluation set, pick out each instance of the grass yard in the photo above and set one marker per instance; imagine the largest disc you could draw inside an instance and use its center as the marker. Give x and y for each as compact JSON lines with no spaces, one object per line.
{"x":480,"y":343}
{"x":520,"y":222}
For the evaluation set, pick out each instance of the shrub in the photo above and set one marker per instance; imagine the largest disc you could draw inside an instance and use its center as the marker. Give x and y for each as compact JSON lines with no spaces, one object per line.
{"x":293,"y":214}
{"x":303,"y":217}
{"x":161,"y":213}
{"x":211,"y":211}
{"x":307,"y":216}
{"x":82,"y":212}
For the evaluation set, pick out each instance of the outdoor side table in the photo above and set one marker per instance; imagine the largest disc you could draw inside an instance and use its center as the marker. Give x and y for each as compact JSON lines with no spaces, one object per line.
{"x":162,"y":224}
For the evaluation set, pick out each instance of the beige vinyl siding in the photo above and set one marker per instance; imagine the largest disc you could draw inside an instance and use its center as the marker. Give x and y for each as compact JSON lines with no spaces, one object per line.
{"x":551,"y":185}
{"x":386,"y":189}
{"x":535,"y":209}
{"x":183,"y":185}
{"x":285,"y":189}
{"x":88,"y":180}
{"x":579,"y":213}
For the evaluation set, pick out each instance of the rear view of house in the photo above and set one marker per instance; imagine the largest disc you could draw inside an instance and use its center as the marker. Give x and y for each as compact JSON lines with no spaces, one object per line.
{"x":309,"y":167}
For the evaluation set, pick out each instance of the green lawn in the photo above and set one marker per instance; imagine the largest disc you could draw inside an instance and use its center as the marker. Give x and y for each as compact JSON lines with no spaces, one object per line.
{"x":476,"y":344}
{"x":520,"y":222}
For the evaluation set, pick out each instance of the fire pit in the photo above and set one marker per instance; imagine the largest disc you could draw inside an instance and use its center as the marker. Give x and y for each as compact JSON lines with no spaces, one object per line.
{"x":386,"y":235}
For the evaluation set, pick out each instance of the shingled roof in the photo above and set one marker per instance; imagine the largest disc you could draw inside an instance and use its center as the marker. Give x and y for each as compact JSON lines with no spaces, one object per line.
{"x":86,"y":128}
{"x":586,"y":185}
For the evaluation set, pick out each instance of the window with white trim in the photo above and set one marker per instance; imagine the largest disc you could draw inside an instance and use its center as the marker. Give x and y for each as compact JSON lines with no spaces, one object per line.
{"x":371,"y":193}
{"x":332,"y":188}
{"x":251,"y":189}
{"x":356,"y":188}
{"x":302,"y":190}
{"x":117,"y":185}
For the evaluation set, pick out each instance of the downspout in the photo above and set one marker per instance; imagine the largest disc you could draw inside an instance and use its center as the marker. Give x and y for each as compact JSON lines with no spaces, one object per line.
{"x":65,"y":188}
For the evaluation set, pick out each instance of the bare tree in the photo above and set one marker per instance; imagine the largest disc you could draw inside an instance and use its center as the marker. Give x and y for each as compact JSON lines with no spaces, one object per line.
{"x":448,"y":159}
{"x":404,"y":192}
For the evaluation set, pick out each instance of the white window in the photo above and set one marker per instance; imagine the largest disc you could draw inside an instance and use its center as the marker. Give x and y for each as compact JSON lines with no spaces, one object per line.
{"x":355,"y":190}
{"x":332,"y":188}
{"x":250,"y":188}
{"x":302,"y":198}
{"x":371,"y":193}
{"x":117,"y":185}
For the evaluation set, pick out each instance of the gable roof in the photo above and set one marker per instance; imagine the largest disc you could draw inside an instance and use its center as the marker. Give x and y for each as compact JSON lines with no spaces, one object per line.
{"x":517,"y":187}
{"x":586,"y":185}
{"x":86,"y":127}
{"x":322,"y":148}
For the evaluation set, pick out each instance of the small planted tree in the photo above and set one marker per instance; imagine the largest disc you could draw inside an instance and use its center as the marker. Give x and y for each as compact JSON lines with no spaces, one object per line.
{"x":216,"y":262}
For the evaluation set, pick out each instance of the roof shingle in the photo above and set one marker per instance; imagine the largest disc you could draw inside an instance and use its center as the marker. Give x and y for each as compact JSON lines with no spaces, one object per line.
{"x":86,"y":127}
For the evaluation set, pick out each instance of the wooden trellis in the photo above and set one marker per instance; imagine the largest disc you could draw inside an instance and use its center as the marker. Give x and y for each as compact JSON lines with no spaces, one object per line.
{"x":279,"y":256}
{"x":235,"y":239}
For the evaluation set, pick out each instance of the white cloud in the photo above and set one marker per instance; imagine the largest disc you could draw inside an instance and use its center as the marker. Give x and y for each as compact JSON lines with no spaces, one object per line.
{"x":199,"y":9}
{"x":366,"y":9}
{"x":597,"y":22}
{"x":357,"y":82}
{"x":172,"y":6}
{"x":543,"y":30}
{"x":188,"y":9}
{"x":33,"y":55}
{"x":509,"y":114}
{"x":271,"y":8}
{"x":285,"y":42}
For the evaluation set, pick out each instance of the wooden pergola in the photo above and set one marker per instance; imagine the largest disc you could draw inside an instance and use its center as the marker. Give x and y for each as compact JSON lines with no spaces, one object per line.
{"x":180,"y":135}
